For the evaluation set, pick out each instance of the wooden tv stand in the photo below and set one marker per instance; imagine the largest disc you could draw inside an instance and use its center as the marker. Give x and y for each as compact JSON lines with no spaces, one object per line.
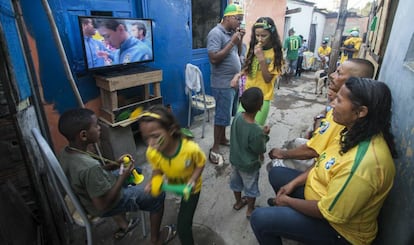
{"x":111,"y":83}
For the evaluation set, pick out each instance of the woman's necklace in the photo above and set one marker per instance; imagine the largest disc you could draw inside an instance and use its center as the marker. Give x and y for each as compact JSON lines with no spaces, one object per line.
{"x":93,"y":155}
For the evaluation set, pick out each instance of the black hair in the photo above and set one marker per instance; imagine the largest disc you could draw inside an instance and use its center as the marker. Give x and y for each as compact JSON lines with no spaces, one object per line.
{"x":140,"y":26}
{"x":252,"y":99}
{"x":73,"y":121}
{"x":376,"y":96}
{"x":166,"y":119}
{"x":266,"y":23}
{"x":365,"y":67}
{"x":86,"y":21}
{"x":110,"y":24}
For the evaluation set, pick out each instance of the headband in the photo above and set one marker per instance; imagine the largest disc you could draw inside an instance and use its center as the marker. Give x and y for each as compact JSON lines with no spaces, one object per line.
{"x":265,"y":26}
{"x":150,"y":114}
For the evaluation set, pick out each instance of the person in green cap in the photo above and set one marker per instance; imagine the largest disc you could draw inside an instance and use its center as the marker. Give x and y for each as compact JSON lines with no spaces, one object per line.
{"x":224,"y":45}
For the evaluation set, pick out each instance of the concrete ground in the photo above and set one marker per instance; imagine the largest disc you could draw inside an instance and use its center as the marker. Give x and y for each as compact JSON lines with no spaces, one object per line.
{"x":215,"y":221}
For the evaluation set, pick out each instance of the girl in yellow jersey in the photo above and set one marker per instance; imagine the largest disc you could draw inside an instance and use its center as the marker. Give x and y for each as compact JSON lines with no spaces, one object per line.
{"x":263,"y":63}
{"x":179,"y":160}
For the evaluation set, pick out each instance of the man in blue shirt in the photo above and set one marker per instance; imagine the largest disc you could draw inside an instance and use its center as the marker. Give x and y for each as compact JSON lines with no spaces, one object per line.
{"x":224,"y":45}
{"x":129,"y":49}
{"x":139,"y":31}
{"x":96,"y":53}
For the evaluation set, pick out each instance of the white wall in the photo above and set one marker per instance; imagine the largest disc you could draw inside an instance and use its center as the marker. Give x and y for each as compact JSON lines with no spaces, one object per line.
{"x":300,"y":21}
{"x":318,"y":19}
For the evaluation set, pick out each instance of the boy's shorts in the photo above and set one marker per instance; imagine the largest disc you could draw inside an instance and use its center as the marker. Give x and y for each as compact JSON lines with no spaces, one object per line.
{"x":246,"y":182}
{"x":224,"y":105}
{"x":134,"y":199}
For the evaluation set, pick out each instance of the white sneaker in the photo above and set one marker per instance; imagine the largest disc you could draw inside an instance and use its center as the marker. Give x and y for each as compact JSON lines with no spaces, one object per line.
{"x":278,"y":163}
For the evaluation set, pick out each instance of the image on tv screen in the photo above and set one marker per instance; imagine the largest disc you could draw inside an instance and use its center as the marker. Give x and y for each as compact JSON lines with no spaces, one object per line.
{"x":110,"y":42}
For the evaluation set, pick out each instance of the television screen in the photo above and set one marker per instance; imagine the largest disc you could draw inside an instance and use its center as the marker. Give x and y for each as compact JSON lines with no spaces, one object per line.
{"x":109,"y":42}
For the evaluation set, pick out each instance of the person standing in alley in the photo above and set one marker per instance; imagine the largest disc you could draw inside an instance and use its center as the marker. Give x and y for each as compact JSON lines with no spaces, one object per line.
{"x":248,"y":144}
{"x":224,"y":45}
{"x":291,"y":46}
{"x":301,"y":50}
{"x":264,"y":63}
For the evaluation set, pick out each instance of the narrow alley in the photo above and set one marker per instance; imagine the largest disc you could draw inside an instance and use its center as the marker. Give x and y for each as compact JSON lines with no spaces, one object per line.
{"x":215,"y":221}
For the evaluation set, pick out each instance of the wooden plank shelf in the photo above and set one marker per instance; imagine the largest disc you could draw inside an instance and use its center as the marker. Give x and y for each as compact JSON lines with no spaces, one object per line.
{"x":111,"y":84}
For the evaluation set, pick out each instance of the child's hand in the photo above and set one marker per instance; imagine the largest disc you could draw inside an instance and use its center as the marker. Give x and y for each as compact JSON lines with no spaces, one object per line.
{"x":191,"y":183}
{"x":266,"y":129}
{"x":123,"y":158}
{"x":258,"y":51}
{"x":234,"y":83}
{"x":148,"y":187}
{"x":126,"y":171}
{"x":261,"y":157}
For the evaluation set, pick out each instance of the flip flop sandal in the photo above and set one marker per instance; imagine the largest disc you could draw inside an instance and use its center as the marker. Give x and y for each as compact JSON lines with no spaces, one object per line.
{"x":216,"y":158}
{"x":121,"y":233}
{"x":271,"y":202}
{"x":172,"y":232}
{"x":241,"y":205}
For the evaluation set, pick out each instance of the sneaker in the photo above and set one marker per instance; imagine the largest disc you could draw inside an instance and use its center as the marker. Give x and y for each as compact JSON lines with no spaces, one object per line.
{"x":278,"y":163}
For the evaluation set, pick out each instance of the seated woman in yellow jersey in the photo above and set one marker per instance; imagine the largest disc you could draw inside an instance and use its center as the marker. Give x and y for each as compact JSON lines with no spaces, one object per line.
{"x":338,"y":200}
{"x":178,"y":159}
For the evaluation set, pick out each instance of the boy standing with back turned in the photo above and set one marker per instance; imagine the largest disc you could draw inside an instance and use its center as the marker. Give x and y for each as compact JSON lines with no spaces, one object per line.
{"x":247,"y":145}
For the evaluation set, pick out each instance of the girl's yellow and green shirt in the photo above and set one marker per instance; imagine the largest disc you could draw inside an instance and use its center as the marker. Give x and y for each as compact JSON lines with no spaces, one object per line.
{"x":179,"y":168}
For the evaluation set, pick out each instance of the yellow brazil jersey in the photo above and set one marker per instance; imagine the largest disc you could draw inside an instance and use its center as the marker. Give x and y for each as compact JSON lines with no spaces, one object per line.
{"x":324,"y":51}
{"x":179,"y":168}
{"x":351,"y":203}
{"x":257,"y":80}
{"x":325,"y":134}
{"x":356,"y":42}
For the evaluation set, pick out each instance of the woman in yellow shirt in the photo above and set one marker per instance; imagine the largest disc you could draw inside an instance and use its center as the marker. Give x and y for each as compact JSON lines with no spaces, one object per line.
{"x":337,"y":201}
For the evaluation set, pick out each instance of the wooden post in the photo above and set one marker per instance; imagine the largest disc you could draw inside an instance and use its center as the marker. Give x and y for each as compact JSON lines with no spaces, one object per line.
{"x":336,"y":43}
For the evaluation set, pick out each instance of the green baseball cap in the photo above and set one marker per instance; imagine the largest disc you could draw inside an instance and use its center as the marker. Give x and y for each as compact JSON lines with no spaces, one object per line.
{"x":233,"y":9}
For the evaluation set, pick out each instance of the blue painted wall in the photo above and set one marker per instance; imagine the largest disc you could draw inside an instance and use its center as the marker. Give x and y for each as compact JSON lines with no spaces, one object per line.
{"x":173,"y":47}
{"x":397,"y":219}
{"x":172,"y":43}
{"x":8,"y":24}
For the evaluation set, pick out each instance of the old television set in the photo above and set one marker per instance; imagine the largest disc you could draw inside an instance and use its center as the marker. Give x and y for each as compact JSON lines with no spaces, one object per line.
{"x":114,"y":42}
